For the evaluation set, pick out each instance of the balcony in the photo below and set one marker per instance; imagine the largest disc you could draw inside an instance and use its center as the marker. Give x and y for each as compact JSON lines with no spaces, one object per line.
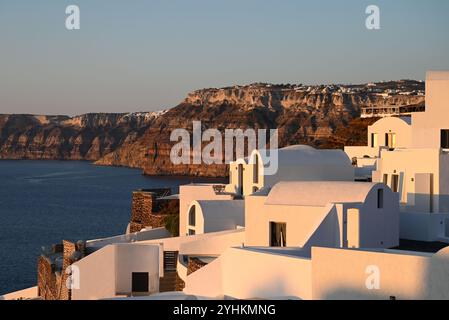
{"x":389,"y":111}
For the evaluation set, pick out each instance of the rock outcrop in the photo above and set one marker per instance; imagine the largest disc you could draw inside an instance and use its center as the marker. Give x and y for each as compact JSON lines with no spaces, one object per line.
{"x":85,"y":137}
{"x":321,"y":116}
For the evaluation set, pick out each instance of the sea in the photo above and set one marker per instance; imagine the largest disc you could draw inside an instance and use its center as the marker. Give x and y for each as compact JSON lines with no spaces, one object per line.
{"x":44,"y":202}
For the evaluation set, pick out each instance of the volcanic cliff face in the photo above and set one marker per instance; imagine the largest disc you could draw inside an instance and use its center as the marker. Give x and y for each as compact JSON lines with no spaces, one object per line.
{"x":86,"y":137}
{"x":321,"y":116}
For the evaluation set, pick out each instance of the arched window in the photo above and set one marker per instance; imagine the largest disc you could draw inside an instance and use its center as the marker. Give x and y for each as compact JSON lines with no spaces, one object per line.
{"x":192,"y":216}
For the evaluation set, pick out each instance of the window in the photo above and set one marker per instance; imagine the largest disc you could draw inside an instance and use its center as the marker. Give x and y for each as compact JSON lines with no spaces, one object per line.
{"x":390,"y":140}
{"x":445,"y":139}
{"x":256,"y":169}
{"x":380,"y":198}
{"x":385,"y":179}
{"x":278,"y":234}
{"x":192,"y":216}
{"x":395,"y":182}
{"x":191,"y":232}
{"x":140,"y":282}
{"x":374,"y":141}
{"x":240,"y":172}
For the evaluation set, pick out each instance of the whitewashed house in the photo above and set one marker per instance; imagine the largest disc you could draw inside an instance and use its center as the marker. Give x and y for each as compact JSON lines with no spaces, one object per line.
{"x":412,"y":157}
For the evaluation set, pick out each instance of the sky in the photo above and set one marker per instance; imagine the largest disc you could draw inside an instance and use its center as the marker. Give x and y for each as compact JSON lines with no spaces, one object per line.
{"x":145,"y":55}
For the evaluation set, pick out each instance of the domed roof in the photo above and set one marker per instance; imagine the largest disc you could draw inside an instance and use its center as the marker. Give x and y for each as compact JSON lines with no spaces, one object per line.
{"x":319,"y":193}
{"x":305,"y":155}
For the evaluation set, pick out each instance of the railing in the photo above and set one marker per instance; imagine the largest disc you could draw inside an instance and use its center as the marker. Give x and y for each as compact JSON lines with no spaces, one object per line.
{"x":387,"y":111}
{"x":219,"y":188}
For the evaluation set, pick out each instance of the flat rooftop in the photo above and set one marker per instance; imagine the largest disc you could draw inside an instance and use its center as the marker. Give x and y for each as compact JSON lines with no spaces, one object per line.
{"x":421,"y":246}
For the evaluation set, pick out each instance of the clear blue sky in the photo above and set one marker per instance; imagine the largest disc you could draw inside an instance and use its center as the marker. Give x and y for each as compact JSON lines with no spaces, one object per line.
{"x":144,"y":55}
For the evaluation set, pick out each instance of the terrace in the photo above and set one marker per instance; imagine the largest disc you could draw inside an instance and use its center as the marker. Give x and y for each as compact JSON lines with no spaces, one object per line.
{"x":392,"y":110}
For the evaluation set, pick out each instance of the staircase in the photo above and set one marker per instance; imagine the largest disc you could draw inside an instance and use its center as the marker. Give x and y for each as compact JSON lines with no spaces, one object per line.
{"x":170,"y":281}
{"x":170,"y":260}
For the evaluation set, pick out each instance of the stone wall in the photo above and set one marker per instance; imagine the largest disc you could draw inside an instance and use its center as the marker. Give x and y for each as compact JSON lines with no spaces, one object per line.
{"x":147,"y":210}
{"x":52,"y":266}
{"x":194,"y":265}
{"x":46,"y":279}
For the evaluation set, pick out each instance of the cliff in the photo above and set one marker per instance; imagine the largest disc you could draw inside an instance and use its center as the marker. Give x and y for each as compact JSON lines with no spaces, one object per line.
{"x":321,"y":116}
{"x":85,"y":137}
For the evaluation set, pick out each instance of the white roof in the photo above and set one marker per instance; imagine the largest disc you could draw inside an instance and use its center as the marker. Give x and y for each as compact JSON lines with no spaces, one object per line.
{"x":305,"y":155}
{"x":318,"y":193}
{"x":395,"y":121}
{"x":219,"y":207}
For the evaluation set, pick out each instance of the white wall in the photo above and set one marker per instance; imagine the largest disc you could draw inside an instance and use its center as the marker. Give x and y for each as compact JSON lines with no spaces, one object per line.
{"x":325,"y":225}
{"x":379,"y":227}
{"x":247,"y":273}
{"x":407,"y":163}
{"x":191,"y":192}
{"x":96,"y":275}
{"x":427,"y":125}
{"x":29,"y":293}
{"x":107,"y":272}
{"x":423,"y":227}
{"x":216,"y":215}
{"x":137,"y":258}
{"x":398,"y":126}
{"x":343,"y":274}
{"x":295,"y":163}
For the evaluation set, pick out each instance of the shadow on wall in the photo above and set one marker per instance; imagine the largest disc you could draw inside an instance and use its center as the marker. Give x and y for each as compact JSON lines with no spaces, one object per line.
{"x":326,"y":234}
{"x":427,"y":202}
{"x":438,"y":276}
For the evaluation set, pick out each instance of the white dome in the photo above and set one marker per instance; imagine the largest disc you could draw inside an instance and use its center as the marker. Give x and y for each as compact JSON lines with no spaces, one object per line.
{"x":319,"y":193}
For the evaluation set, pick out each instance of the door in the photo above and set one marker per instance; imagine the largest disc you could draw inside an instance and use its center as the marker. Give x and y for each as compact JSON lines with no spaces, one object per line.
{"x":390,"y":140}
{"x":395,"y":183}
{"x":278,"y":234}
{"x":374,"y":140}
{"x":140,"y":281}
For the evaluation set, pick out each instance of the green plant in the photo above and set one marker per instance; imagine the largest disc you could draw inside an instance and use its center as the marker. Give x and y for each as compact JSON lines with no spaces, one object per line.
{"x":172,"y":224}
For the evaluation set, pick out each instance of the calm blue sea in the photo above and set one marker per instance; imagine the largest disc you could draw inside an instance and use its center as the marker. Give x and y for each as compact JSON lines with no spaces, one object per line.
{"x":43,"y":202}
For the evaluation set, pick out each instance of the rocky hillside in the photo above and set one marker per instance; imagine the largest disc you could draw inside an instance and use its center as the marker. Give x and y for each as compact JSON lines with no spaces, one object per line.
{"x":322,"y":116}
{"x":85,"y":137}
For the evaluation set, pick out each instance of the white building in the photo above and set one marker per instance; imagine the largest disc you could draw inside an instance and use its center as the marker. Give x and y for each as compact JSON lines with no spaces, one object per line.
{"x":246,"y":176}
{"x":412,"y":157}
{"x":294,"y":163}
{"x":324,"y":213}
